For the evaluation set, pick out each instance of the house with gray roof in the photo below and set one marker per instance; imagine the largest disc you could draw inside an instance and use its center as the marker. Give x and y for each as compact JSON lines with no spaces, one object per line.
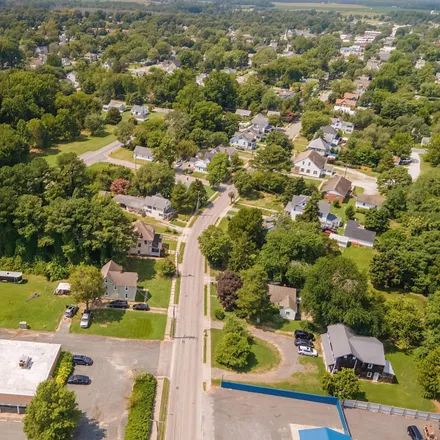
{"x":327,"y":220}
{"x":203,"y":160}
{"x":243,"y":113}
{"x":260,"y":124}
{"x":342,"y":348}
{"x":319,"y":145}
{"x":143,"y":153}
{"x":330,"y":135}
{"x":244,"y":140}
{"x":153,"y":206}
{"x":117,"y":283}
{"x":311,"y":163}
{"x":359,"y":235}
{"x":140,"y":112}
{"x":369,"y":201}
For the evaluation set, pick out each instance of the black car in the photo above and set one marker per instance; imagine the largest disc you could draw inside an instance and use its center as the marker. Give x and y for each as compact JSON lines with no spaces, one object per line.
{"x":304,"y":342}
{"x":79,"y":359}
{"x":414,"y":432}
{"x":141,"y":306}
{"x":301,"y":334}
{"x":118,"y":304}
{"x":79,"y":379}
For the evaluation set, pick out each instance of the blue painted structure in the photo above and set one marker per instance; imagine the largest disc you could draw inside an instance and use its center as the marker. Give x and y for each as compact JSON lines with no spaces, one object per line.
{"x":321,"y":434}
{"x":328,"y":400}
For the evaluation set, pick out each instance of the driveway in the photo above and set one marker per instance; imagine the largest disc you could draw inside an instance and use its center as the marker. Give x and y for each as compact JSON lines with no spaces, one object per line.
{"x":92,"y":157}
{"x":414,"y":167}
{"x":289,"y":359}
{"x":368,"y":183}
{"x":292,"y":130}
{"x":104,"y":401}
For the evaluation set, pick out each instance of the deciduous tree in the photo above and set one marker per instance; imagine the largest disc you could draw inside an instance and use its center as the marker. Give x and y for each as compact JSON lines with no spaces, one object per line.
{"x":86,"y":284}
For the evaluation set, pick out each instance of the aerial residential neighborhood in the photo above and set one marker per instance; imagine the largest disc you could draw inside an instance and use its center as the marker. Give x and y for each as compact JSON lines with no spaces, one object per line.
{"x":219,"y":220}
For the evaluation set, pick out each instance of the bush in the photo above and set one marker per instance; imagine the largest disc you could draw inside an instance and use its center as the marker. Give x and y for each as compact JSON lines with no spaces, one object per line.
{"x":141,"y":406}
{"x":219,"y":314}
{"x":166,"y":268}
{"x":113,"y":116}
{"x":336,"y":204}
{"x":64,"y":368}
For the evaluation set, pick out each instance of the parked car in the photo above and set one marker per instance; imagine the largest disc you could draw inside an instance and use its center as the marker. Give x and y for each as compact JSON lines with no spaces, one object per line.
{"x":79,"y":359}
{"x":405,"y":161}
{"x":71,"y":311}
{"x":307,"y":351}
{"x":141,"y":306}
{"x":428,"y":430}
{"x":304,"y":342}
{"x":414,"y":432}
{"x":86,"y":319}
{"x":302,"y":334}
{"x":79,"y":379}
{"x":118,"y":304}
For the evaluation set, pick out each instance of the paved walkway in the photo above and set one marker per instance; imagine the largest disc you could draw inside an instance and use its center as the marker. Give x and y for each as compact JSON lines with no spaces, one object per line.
{"x":289,"y":359}
{"x":414,"y":168}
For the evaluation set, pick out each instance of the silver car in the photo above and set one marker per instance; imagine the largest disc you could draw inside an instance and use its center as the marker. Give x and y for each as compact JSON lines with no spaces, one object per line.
{"x":307,"y":351}
{"x":85,"y":320}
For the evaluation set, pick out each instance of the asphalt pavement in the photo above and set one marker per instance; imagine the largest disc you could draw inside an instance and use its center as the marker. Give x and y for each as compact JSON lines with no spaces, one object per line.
{"x":188,"y":417}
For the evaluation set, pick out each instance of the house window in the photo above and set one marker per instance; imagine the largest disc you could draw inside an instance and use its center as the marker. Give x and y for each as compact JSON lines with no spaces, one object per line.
{"x":145,"y":242}
{"x":126,"y":288}
{"x":370,"y":366}
{"x":308,"y":171}
{"x":314,"y":172}
{"x":126,"y":295}
{"x":302,"y":170}
{"x":114,"y":287}
{"x":139,"y":244}
{"x":106,"y":293}
{"x":369,"y":374}
{"x":345,"y":357}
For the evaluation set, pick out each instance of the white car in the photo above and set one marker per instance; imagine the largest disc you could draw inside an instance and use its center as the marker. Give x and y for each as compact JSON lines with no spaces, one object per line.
{"x":307,"y":351}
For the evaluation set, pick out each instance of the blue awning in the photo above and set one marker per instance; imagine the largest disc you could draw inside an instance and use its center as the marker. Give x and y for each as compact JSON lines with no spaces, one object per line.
{"x":321,"y":434}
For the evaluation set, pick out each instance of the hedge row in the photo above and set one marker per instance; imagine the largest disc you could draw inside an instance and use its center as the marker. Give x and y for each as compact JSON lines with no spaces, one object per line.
{"x":64,"y":368}
{"x":141,"y":408}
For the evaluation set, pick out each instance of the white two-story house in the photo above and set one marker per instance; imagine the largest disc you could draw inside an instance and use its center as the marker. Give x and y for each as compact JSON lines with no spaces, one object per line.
{"x":311,"y":163}
{"x":117,"y":283}
{"x":148,"y":243}
{"x":244,"y":140}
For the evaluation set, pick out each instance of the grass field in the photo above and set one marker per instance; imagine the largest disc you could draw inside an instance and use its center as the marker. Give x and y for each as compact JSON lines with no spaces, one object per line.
{"x":335,"y":7}
{"x":123,"y":324}
{"x":300,"y":143}
{"x":264,"y":201}
{"x":209,"y":191}
{"x":215,"y":303}
{"x":407,"y":393}
{"x":42,"y":313}
{"x":124,"y":154}
{"x":424,"y":165}
{"x":223,"y":225}
{"x":361,"y":255}
{"x":263,"y":356}
{"x":159,"y":288}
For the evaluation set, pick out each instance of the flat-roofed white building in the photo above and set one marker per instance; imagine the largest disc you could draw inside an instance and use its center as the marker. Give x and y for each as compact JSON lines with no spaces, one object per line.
{"x":23,"y":366}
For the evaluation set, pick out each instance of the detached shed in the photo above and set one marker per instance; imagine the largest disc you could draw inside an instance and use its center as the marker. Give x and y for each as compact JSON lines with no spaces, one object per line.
{"x":62,"y":289}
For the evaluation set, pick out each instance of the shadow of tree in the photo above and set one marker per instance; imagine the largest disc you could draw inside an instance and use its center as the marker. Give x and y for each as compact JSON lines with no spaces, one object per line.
{"x":107,"y":316}
{"x":89,"y":429}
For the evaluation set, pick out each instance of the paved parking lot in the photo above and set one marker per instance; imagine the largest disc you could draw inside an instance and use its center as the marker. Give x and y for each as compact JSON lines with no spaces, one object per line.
{"x":103,"y":402}
{"x":365,"y":425}
{"x":248,"y":416}
{"x":11,"y":429}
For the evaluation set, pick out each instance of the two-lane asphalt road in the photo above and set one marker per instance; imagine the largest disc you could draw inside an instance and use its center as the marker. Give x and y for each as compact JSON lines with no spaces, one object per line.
{"x":184,"y":420}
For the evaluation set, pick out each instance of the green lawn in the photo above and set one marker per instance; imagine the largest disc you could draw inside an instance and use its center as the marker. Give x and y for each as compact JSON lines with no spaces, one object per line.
{"x":159,"y":288}
{"x":263,"y":356}
{"x":362,"y":256}
{"x":83,"y":143}
{"x":170,"y":244}
{"x":42,"y":313}
{"x":209,"y":191}
{"x":223,"y":225}
{"x":406,"y":393}
{"x":304,"y":382}
{"x":300,"y":144}
{"x":215,"y":303}
{"x":424,"y":165}
{"x":123,"y":324}
{"x":124,"y":154}
{"x":263,"y":201}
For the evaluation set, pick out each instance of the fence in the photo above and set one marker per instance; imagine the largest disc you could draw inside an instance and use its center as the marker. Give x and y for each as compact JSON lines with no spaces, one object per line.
{"x":329,"y":400}
{"x":391,"y":410}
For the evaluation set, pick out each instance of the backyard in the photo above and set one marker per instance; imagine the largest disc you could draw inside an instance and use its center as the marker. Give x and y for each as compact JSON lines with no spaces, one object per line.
{"x":123,"y":324}
{"x":125,"y":154}
{"x":159,"y":289}
{"x":41,"y":313}
{"x":261,"y":200}
{"x":263,"y":356}
{"x":361,"y":255}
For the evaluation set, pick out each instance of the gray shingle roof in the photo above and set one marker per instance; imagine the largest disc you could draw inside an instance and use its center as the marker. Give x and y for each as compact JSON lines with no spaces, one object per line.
{"x":158,"y":202}
{"x":355,"y":232}
{"x":318,"y":144}
{"x":344,"y":342}
{"x":130,"y":201}
{"x":143,"y":151}
{"x":313,"y":156}
{"x":370,"y":199}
